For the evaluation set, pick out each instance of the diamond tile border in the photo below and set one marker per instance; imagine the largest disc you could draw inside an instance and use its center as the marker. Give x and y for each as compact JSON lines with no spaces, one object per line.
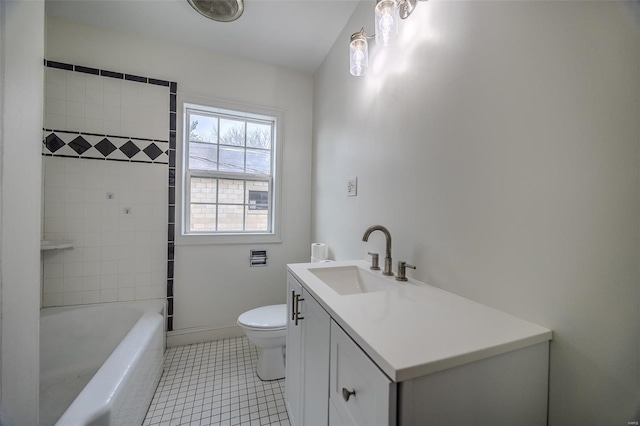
{"x":57,"y":143}
{"x":107,"y":147}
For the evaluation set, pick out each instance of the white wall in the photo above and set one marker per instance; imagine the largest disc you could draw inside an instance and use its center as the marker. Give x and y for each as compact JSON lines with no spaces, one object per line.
{"x":500,"y":146}
{"x":20,"y":142}
{"x":214,"y":284}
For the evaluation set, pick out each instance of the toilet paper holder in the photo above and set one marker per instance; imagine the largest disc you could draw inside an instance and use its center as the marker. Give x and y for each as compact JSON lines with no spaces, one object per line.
{"x":257,"y":257}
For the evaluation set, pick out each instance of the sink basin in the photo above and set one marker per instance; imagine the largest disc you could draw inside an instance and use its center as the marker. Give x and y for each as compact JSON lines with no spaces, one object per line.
{"x":346,"y":280}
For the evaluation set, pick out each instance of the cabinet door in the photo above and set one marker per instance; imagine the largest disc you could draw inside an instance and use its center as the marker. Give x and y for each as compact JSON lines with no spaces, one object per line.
{"x":360,"y":393}
{"x":293,"y":360}
{"x":316,"y":327}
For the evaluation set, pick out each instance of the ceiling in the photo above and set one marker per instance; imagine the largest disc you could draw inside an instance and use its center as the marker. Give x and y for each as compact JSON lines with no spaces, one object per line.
{"x":294,"y":34}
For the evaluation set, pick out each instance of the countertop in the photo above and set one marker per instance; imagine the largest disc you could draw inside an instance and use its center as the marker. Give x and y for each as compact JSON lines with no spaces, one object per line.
{"x":417,"y":329}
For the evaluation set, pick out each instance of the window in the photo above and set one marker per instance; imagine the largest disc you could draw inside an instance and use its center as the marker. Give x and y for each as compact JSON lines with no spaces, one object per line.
{"x":230,"y":161}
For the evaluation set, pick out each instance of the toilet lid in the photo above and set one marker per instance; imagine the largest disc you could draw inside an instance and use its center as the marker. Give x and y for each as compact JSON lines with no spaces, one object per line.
{"x":273,"y":316}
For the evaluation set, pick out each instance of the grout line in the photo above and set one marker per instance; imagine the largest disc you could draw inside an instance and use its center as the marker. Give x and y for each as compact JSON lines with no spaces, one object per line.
{"x":214,"y":383}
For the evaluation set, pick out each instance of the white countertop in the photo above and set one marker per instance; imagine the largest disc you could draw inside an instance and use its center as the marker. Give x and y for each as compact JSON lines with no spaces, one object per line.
{"x":418,"y":329}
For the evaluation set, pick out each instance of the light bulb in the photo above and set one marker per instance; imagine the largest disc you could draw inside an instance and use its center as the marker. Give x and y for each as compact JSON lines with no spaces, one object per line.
{"x":386,"y":23}
{"x":358,"y":54}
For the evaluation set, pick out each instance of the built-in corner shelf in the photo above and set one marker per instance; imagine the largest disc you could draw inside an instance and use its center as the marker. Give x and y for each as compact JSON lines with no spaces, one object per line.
{"x":55,"y":245}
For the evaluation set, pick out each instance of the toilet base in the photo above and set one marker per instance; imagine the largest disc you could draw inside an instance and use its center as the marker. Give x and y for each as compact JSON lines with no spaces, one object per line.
{"x":270,"y":365}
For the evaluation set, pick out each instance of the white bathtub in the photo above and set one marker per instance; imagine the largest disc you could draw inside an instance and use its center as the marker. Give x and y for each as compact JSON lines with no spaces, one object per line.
{"x":100,"y":364}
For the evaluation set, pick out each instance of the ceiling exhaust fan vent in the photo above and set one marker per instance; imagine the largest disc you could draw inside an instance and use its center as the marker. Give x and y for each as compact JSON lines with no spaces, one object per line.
{"x":219,"y":10}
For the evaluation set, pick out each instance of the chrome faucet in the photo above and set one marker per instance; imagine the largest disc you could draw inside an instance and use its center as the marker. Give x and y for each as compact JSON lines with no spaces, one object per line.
{"x":387,"y":259}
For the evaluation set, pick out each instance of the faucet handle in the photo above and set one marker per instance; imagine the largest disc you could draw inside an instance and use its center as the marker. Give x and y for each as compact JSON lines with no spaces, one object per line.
{"x":374,"y":261}
{"x":402,"y":270}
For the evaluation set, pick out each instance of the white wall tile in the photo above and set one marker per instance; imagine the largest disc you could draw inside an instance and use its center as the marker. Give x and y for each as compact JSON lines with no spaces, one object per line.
{"x":72,"y":284}
{"x":53,"y":285}
{"x":92,"y":239}
{"x":55,"y":106}
{"x":126,"y":280}
{"x":91,"y":296}
{"x":94,"y":110}
{"x":112,"y":127}
{"x":75,"y":94}
{"x":91,"y":269}
{"x":72,"y":298}
{"x":54,"y":121}
{"x":72,"y":269}
{"x":108,"y":281}
{"x":56,"y":91}
{"x":109,"y":254}
{"x":92,"y":254}
{"x":74,"y":124}
{"x":108,"y":295}
{"x":75,"y":109}
{"x":109,"y":267}
{"x":75,"y":79}
{"x":94,"y":125}
{"x":126,"y":294}
{"x":53,"y":299}
{"x":112,"y":85}
{"x":53,"y":270}
{"x":95,"y":82}
{"x":56,"y":76}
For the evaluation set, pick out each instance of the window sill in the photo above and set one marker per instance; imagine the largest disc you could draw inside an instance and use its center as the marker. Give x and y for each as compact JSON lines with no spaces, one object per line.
{"x":209,"y":239}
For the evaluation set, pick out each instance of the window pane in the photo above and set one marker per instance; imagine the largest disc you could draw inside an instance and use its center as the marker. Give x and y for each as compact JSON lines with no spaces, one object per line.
{"x":257,"y":220}
{"x":203,"y":190}
{"x":203,"y":128}
{"x":230,"y":218}
{"x":203,"y":217}
{"x":231,"y":191}
{"x":258,"y":162}
{"x":231,"y":159}
{"x":203,"y":156}
{"x":258,"y":136}
{"x":231,"y":132}
{"x":258,"y":200}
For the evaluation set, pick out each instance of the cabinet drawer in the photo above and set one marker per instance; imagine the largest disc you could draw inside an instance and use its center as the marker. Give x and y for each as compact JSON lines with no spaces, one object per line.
{"x":374,"y":400}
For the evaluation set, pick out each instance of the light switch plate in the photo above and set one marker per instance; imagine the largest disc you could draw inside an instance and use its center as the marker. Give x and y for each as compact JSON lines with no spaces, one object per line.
{"x":352,"y":186}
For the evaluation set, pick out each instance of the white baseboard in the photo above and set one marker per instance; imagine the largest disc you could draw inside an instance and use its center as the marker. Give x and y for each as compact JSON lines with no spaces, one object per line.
{"x":190,"y":336}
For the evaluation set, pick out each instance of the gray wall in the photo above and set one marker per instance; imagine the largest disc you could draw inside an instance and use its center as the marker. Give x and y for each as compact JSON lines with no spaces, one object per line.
{"x":499,"y":143}
{"x":21,"y":71}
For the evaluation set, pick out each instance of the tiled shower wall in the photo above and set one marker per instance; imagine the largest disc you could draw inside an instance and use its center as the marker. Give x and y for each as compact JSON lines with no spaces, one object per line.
{"x":115,"y":215}
{"x":109,"y":171}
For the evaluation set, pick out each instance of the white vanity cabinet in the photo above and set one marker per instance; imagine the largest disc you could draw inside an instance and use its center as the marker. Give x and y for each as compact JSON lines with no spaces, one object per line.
{"x":307,"y":358}
{"x":410,"y":355}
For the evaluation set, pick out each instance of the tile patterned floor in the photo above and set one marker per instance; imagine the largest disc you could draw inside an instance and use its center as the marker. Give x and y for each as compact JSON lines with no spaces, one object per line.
{"x":215,"y":383}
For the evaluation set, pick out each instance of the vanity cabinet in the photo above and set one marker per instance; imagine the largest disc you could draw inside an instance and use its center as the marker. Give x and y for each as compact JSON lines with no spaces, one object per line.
{"x":307,"y":358}
{"x":408,"y":355}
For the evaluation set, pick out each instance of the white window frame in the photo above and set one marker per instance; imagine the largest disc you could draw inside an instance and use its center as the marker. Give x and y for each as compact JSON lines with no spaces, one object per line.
{"x":187,"y":237}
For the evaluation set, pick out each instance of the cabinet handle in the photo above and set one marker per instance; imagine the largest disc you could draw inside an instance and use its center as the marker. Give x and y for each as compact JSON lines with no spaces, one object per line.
{"x":346,"y":393}
{"x":293,"y":306}
{"x":298,"y":300}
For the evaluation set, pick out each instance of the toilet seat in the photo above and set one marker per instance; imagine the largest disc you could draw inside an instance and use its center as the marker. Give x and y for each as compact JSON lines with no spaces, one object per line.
{"x":272,"y":317}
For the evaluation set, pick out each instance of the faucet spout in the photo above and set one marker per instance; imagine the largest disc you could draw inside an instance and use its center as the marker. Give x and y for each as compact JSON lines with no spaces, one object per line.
{"x":387,"y":234}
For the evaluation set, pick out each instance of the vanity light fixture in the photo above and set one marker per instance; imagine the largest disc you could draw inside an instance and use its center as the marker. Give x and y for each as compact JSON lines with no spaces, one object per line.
{"x":359,"y":53}
{"x":387,"y":13}
{"x":386,"y":24}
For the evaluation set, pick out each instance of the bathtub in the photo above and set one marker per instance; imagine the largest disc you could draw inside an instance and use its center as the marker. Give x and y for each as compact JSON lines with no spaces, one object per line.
{"x":100,"y":364}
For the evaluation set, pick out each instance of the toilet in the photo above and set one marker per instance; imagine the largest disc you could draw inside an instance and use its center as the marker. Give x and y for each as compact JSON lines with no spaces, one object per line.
{"x":266,"y":327}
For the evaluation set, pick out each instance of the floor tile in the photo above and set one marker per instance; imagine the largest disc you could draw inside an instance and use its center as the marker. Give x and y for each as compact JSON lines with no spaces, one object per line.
{"x":215,"y":383}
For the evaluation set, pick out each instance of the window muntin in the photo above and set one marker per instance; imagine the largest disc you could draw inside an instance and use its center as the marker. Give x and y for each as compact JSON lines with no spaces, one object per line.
{"x":230,"y":159}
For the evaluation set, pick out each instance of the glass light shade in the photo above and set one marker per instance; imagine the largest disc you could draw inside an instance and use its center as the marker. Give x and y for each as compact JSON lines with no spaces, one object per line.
{"x":386,"y":12}
{"x":358,"y":55}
